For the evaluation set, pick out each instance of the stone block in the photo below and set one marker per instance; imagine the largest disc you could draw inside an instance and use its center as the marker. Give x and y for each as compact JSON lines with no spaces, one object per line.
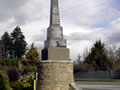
{"x":55,"y":54}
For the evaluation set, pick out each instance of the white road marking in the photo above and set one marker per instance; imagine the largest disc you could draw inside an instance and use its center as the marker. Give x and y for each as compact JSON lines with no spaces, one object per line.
{"x":99,"y":87}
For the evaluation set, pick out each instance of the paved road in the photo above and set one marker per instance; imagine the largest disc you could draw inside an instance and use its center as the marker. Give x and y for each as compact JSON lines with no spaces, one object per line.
{"x":98,"y":85}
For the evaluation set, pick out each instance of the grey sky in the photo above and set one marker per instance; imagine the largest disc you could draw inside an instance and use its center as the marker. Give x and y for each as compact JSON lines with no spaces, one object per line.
{"x":83,"y":21}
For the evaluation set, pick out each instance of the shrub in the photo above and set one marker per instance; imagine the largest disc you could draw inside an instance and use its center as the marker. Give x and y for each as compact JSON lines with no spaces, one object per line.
{"x":4,"y":83}
{"x":83,"y":67}
{"x":10,"y":62}
{"x":27,"y":86}
{"x":16,"y":85}
{"x":27,"y":79}
{"x":13,"y":75}
{"x":26,"y":62}
{"x":29,"y":65}
{"x":24,"y":83}
{"x":30,"y":68}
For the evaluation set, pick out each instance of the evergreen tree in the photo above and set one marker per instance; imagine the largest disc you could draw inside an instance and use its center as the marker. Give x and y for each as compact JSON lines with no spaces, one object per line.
{"x":19,"y":43}
{"x":33,"y":54}
{"x":7,"y":45}
{"x":85,"y":54}
{"x":98,"y":57}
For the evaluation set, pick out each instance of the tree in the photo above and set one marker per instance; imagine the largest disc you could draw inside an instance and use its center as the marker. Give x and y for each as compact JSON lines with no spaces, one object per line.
{"x":33,"y":54}
{"x":85,"y":54}
{"x":79,"y":59}
{"x":19,"y":43}
{"x":7,"y":45}
{"x":98,"y":57}
{"x":114,"y":56}
{"x":4,"y":83}
{"x":81,"y":66}
{"x":117,"y":63}
{"x":118,"y":55}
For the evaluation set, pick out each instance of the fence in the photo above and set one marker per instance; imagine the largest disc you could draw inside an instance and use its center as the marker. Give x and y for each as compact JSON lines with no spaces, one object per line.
{"x":98,"y":74}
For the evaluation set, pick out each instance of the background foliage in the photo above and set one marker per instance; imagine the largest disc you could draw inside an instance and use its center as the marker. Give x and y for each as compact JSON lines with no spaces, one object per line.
{"x":4,"y":83}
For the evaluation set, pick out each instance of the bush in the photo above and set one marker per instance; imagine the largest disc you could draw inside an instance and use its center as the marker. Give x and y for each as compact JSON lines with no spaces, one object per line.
{"x":13,"y":75}
{"x":27,"y":86}
{"x":30,"y":68}
{"x":25,"y":82}
{"x":29,"y":65}
{"x":4,"y":83}
{"x":26,"y":62}
{"x":10,"y":62}
{"x":83,"y":67}
{"x":27,"y":79}
{"x":16,"y":85}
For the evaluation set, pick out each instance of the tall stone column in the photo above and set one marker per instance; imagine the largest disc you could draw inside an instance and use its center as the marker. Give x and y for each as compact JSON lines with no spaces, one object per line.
{"x":55,"y":71}
{"x":55,"y":45}
{"x":54,"y":32}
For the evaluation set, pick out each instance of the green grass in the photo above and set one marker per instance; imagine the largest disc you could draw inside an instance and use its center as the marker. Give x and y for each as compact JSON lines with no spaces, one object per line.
{"x":98,"y":80}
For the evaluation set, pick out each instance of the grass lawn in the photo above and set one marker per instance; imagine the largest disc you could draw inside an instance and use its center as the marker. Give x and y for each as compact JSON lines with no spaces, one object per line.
{"x":98,"y":80}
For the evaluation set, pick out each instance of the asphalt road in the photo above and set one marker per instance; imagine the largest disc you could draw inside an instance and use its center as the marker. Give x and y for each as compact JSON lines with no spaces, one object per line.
{"x":98,"y":85}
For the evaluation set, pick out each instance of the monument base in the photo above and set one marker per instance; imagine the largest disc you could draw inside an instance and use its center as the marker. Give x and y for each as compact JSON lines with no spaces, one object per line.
{"x":55,"y":75}
{"x":55,"y":54}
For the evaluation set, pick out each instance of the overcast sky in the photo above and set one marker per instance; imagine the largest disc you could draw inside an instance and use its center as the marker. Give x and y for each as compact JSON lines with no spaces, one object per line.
{"x":83,"y":21}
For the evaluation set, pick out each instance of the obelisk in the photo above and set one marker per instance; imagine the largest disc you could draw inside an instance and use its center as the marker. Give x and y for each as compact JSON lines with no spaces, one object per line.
{"x":55,"y":70}
{"x":55,"y":45}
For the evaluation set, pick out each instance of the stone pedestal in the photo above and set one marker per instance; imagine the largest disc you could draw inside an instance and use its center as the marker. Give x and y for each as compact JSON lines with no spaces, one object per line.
{"x":55,"y":75}
{"x":55,"y":54}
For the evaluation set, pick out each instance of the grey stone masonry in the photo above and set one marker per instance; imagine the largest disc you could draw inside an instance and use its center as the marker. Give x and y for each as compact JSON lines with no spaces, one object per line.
{"x":55,"y":45}
{"x":55,"y":75}
{"x":55,"y":54}
{"x":54,"y":13}
{"x":55,"y":31}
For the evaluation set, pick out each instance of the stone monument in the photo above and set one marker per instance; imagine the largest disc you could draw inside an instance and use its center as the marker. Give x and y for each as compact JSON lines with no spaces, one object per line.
{"x":55,"y":45}
{"x":55,"y":71}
